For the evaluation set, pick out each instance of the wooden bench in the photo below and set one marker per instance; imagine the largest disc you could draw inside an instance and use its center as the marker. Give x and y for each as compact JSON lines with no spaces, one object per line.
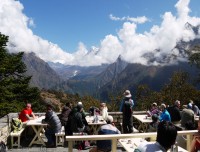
{"x":17,"y":135}
{"x":60,"y":137}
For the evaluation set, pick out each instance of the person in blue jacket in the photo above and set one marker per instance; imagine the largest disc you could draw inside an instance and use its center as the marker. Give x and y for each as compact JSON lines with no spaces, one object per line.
{"x":126,"y":109}
{"x":165,"y":114}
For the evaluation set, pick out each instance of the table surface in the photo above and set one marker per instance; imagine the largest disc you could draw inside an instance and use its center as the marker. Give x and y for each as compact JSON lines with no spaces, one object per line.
{"x":143,"y":118}
{"x":37,"y":121}
{"x":90,"y":121}
{"x":131,"y":144}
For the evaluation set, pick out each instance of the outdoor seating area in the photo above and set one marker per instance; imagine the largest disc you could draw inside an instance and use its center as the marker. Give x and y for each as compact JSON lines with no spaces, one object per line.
{"x":120,"y":142}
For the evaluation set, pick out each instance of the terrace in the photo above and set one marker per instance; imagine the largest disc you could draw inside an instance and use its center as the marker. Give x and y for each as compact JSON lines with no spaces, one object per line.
{"x":68,"y":146}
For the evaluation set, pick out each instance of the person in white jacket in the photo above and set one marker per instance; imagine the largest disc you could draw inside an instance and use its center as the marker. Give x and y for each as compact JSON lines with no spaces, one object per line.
{"x":104,"y":111}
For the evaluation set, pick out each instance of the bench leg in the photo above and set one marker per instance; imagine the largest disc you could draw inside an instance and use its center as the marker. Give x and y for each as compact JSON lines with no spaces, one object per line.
{"x":11,"y":141}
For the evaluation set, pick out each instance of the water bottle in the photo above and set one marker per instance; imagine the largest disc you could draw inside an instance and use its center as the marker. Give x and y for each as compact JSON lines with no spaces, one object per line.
{"x":174,"y":148}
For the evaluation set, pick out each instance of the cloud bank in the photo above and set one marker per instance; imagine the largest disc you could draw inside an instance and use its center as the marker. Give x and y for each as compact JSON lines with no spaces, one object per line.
{"x":132,"y":46}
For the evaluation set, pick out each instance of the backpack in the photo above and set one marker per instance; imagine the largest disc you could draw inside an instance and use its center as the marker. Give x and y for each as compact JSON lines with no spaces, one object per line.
{"x":127,"y":108}
{"x":16,"y":124}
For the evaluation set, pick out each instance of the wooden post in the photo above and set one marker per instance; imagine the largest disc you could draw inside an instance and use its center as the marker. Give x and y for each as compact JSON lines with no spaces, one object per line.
{"x":114,"y":145}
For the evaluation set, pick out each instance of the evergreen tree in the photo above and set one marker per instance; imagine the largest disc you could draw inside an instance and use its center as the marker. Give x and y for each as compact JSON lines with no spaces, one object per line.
{"x":14,"y":85}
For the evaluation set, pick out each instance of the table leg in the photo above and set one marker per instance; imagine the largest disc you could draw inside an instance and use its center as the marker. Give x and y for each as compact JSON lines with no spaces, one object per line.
{"x":37,"y":135}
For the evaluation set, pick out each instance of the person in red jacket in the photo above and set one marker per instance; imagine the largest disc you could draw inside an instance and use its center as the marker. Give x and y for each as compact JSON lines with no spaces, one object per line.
{"x":27,"y":113}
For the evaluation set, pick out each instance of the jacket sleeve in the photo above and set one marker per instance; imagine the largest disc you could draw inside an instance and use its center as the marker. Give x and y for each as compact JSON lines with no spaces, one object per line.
{"x":121,"y":106}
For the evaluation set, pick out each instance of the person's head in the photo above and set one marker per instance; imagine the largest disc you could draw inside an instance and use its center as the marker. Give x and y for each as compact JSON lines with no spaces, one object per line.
{"x":177,"y":103}
{"x":109,"y":119}
{"x":154,"y":105}
{"x":49,"y":107}
{"x":154,"y":117}
{"x":28,"y":106}
{"x":127,"y":94}
{"x":69,"y":104}
{"x":79,"y":103}
{"x":79,"y":107}
{"x":102,"y":105}
{"x":162,"y":107}
{"x":166,"y":134}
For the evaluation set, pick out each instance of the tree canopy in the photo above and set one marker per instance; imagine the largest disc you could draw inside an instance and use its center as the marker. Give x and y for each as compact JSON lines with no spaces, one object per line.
{"x":14,"y":84}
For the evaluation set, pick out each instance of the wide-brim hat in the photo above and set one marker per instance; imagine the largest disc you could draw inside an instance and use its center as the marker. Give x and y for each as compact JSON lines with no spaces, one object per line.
{"x":127,"y":94}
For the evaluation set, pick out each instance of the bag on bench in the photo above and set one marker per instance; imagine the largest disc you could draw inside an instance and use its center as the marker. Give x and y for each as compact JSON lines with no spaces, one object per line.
{"x":16,"y":125}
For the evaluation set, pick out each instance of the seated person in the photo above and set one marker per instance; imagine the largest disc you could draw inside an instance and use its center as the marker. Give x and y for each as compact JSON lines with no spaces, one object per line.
{"x":77,"y":122}
{"x":195,"y":145}
{"x":174,"y":112}
{"x":109,"y":128}
{"x":164,"y":116}
{"x":154,"y":110}
{"x":154,"y":124}
{"x":54,"y":125}
{"x":103,"y":111}
{"x":195,"y":108}
{"x":166,"y":137}
{"x":187,"y":115}
{"x":27,"y":113}
{"x":94,"y":110}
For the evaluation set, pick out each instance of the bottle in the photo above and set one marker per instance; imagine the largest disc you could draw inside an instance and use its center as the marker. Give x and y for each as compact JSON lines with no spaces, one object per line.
{"x":174,"y":148}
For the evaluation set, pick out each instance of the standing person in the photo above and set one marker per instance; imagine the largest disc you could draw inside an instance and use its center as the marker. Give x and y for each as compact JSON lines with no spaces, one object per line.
{"x":53,"y":125}
{"x":174,"y":112}
{"x":166,"y":137}
{"x":109,"y":128}
{"x":64,"y":117}
{"x":165,"y":114}
{"x":27,"y":113}
{"x":126,"y":109}
{"x":77,"y":123}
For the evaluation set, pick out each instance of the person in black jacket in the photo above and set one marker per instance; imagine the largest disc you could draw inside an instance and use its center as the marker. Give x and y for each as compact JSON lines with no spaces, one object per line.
{"x":64,"y":116}
{"x":54,"y":125}
{"x":174,"y":112}
{"x":126,"y":109}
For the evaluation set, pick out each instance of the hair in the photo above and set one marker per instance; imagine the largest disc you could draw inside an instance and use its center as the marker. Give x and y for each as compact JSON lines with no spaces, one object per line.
{"x":166,"y":134}
{"x":49,"y":107}
{"x":28,"y":104}
{"x":68,"y":104}
{"x":163,"y":106}
{"x":154,"y":117}
{"x":109,"y":119}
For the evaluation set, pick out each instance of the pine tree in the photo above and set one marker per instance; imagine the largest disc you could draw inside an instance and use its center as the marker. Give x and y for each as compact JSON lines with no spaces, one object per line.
{"x":14,"y":85}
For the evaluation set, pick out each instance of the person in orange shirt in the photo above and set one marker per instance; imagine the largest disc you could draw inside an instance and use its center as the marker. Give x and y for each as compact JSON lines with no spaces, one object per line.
{"x":27,"y":113}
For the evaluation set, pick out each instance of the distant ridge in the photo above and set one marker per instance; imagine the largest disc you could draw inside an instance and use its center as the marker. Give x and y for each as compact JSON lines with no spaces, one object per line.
{"x":43,"y":76}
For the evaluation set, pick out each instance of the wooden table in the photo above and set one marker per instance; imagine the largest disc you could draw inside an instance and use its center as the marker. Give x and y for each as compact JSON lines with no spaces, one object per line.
{"x":37,"y":126}
{"x":95,"y":126}
{"x":132,"y":143}
{"x":143,"y":121}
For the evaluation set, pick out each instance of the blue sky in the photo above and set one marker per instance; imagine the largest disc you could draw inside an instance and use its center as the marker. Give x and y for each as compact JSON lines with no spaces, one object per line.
{"x":69,"y":31}
{"x":67,"y":22}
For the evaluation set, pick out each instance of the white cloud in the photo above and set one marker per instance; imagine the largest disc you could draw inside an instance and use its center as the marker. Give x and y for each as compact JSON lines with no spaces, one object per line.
{"x":139,"y":20}
{"x":15,"y":24}
{"x":131,"y":45}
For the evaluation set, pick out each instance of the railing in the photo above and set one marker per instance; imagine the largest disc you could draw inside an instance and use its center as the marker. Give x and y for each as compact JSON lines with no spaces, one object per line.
{"x":114,"y":138}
